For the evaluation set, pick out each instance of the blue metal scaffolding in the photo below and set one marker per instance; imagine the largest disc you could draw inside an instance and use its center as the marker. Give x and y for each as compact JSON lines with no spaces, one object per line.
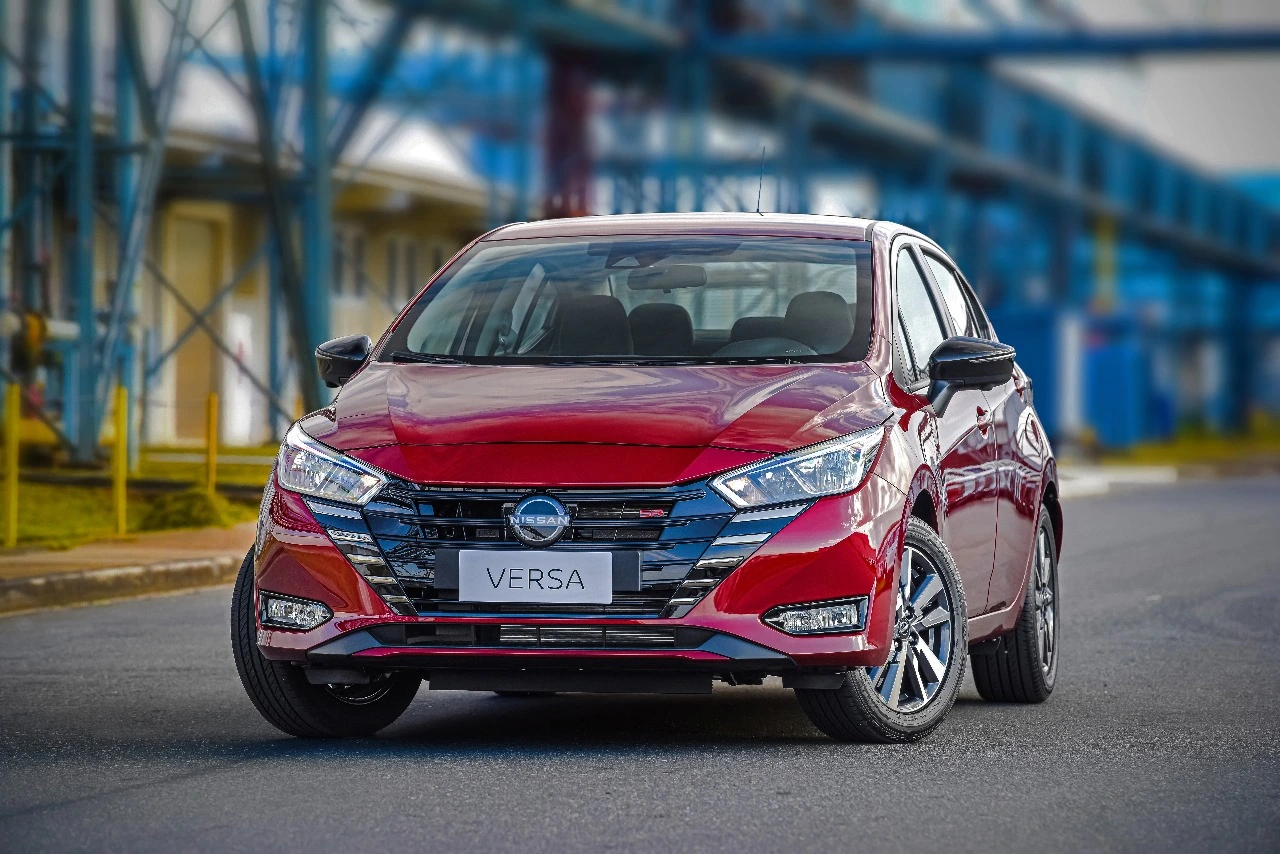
{"x":1027,"y":192}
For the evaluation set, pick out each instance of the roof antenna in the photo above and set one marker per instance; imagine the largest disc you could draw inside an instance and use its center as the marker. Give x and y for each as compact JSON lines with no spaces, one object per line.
{"x":760,"y":186}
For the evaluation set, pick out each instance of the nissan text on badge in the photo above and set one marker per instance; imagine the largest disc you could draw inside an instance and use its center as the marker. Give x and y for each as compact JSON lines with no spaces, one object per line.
{"x":644,"y":453}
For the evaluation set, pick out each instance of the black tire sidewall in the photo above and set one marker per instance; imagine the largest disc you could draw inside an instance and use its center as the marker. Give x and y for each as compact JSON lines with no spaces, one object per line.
{"x":282,"y":693}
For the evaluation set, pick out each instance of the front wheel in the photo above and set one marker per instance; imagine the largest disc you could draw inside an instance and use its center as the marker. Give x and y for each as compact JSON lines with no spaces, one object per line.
{"x":1022,"y":666}
{"x":289,"y":702}
{"x":907,"y":697}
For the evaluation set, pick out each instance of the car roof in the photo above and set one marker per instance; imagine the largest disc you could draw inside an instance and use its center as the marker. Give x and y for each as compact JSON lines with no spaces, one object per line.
{"x":777,"y":225}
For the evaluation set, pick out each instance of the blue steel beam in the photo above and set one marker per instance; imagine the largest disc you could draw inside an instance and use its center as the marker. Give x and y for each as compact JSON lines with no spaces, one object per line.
{"x":369,"y":80}
{"x":952,"y":46}
{"x":131,"y":92}
{"x":6,"y":194}
{"x":303,"y":323}
{"x":80,"y":268}
{"x":317,"y":219}
{"x":137,"y":198}
{"x":32,"y":169}
{"x":129,"y":62}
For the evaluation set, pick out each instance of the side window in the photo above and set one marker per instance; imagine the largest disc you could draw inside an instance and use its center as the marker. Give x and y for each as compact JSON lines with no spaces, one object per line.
{"x":963,"y":313}
{"x":919,"y":316}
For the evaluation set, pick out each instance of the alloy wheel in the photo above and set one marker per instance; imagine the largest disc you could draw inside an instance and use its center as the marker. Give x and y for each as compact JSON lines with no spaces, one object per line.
{"x":1045,"y":603}
{"x":921,"y":650}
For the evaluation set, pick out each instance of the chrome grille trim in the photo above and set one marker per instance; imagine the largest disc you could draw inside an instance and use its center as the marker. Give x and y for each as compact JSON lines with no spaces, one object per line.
{"x":771,"y":513}
{"x":741,"y":540}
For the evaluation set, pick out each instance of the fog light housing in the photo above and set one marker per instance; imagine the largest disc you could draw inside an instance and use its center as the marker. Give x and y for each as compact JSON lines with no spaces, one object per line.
{"x":285,"y":612}
{"x":820,"y":618}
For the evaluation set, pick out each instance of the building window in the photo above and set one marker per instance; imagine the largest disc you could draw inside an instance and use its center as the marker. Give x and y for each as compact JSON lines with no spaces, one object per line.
{"x":348,"y":275}
{"x":411,"y":283}
{"x":357,"y":264}
{"x":338,"y":269}
{"x":392,"y":273}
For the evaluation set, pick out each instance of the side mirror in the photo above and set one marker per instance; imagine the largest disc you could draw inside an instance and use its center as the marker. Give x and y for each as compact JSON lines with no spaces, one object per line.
{"x":340,"y":358}
{"x":962,"y":362}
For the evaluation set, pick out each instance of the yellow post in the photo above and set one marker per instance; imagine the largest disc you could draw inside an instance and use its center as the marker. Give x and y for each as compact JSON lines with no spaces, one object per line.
{"x":120,"y":460}
{"x":12,"y":424}
{"x":211,"y":444}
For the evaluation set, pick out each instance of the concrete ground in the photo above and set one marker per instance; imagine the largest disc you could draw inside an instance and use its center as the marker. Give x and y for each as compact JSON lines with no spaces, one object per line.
{"x":124,"y":727}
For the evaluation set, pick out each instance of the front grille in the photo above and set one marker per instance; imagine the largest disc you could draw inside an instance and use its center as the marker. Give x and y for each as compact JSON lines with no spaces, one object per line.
{"x":585,"y":636}
{"x":670,"y":528}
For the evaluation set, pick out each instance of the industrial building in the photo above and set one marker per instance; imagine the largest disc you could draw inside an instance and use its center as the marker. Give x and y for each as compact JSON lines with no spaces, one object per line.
{"x":194,"y":193}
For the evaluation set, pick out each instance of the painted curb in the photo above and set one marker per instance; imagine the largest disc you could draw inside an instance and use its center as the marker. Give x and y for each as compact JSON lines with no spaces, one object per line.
{"x":73,"y":588}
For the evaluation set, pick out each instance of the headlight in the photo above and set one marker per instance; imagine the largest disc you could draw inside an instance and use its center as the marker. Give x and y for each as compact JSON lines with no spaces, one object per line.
{"x":829,"y":468}
{"x":309,"y":467}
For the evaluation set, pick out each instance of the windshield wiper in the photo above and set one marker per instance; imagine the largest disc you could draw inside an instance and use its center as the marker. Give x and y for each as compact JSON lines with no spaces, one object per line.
{"x":615,"y":363}
{"x":425,"y":358}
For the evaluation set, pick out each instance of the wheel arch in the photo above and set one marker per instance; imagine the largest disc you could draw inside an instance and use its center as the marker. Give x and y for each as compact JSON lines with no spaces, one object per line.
{"x":1053,"y":504}
{"x":925,"y":500}
{"x":923,"y":509}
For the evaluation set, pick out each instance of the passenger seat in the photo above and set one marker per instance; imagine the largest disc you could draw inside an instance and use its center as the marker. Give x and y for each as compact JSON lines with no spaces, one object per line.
{"x":819,"y":319}
{"x":594,"y":325}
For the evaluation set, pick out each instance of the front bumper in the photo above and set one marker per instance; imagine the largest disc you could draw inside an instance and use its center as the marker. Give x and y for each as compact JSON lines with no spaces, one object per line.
{"x":840,"y":547}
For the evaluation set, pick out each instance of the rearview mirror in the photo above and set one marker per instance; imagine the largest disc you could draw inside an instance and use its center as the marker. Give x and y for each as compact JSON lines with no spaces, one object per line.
{"x":339,"y":358}
{"x":962,"y":362}
{"x":666,"y":278}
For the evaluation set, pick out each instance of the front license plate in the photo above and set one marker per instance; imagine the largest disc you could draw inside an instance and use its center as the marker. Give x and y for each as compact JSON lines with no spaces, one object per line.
{"x":574,"y":578}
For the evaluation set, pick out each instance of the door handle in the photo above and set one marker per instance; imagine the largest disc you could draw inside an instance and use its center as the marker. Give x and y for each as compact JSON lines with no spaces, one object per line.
{"x":984,"y":420}
{"x":1021,"y":384}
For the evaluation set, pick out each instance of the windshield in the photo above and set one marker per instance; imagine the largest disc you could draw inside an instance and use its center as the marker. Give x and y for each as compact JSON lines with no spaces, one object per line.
{"x":678,"y":299}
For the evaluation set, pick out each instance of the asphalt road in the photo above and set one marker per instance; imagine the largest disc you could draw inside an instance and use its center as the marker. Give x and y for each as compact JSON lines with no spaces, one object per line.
{"x":124,"y":727}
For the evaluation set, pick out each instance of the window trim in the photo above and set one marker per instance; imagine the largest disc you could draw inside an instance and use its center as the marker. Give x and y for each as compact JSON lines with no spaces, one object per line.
{"x":912,"y":246}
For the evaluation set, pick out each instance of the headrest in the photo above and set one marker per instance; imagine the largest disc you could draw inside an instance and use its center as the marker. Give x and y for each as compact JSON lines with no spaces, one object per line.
{"x":661,"y":329}
{"x":594,"y":325}
{"x":821,"y":320}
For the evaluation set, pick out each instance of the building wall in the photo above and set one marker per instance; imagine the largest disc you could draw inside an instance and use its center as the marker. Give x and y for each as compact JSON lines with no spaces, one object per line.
{"x":379,"y":263}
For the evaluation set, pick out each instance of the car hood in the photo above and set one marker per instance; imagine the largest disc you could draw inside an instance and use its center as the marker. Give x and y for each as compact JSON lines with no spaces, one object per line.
{"x":441,"y":422}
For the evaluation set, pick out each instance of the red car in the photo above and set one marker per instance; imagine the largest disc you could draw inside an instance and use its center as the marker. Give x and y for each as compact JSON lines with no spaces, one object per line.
{"x":643,"y":453}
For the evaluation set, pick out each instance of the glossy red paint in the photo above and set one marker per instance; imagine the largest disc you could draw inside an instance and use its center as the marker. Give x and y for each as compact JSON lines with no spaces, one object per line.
{"x":766,"y":408}
{"x":297,"y":558}
{"x":589,"y":426}
{"x":1022,"y":453}
{"x":839,"y":547}
{"x":533,"y":464}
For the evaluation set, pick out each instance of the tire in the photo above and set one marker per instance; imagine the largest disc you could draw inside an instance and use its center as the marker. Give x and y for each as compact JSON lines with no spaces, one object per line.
{"x":281,"y":693}
{"x":870,"y":706}
{"x":1012,"y":668}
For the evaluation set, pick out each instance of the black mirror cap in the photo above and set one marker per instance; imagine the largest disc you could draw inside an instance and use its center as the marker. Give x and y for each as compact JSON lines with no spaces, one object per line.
{"x":973,"y":363}
{"x":341,"y":357}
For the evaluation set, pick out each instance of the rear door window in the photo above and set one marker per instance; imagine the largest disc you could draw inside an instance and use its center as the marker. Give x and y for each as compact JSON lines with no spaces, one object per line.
{"x":961,"y":305}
